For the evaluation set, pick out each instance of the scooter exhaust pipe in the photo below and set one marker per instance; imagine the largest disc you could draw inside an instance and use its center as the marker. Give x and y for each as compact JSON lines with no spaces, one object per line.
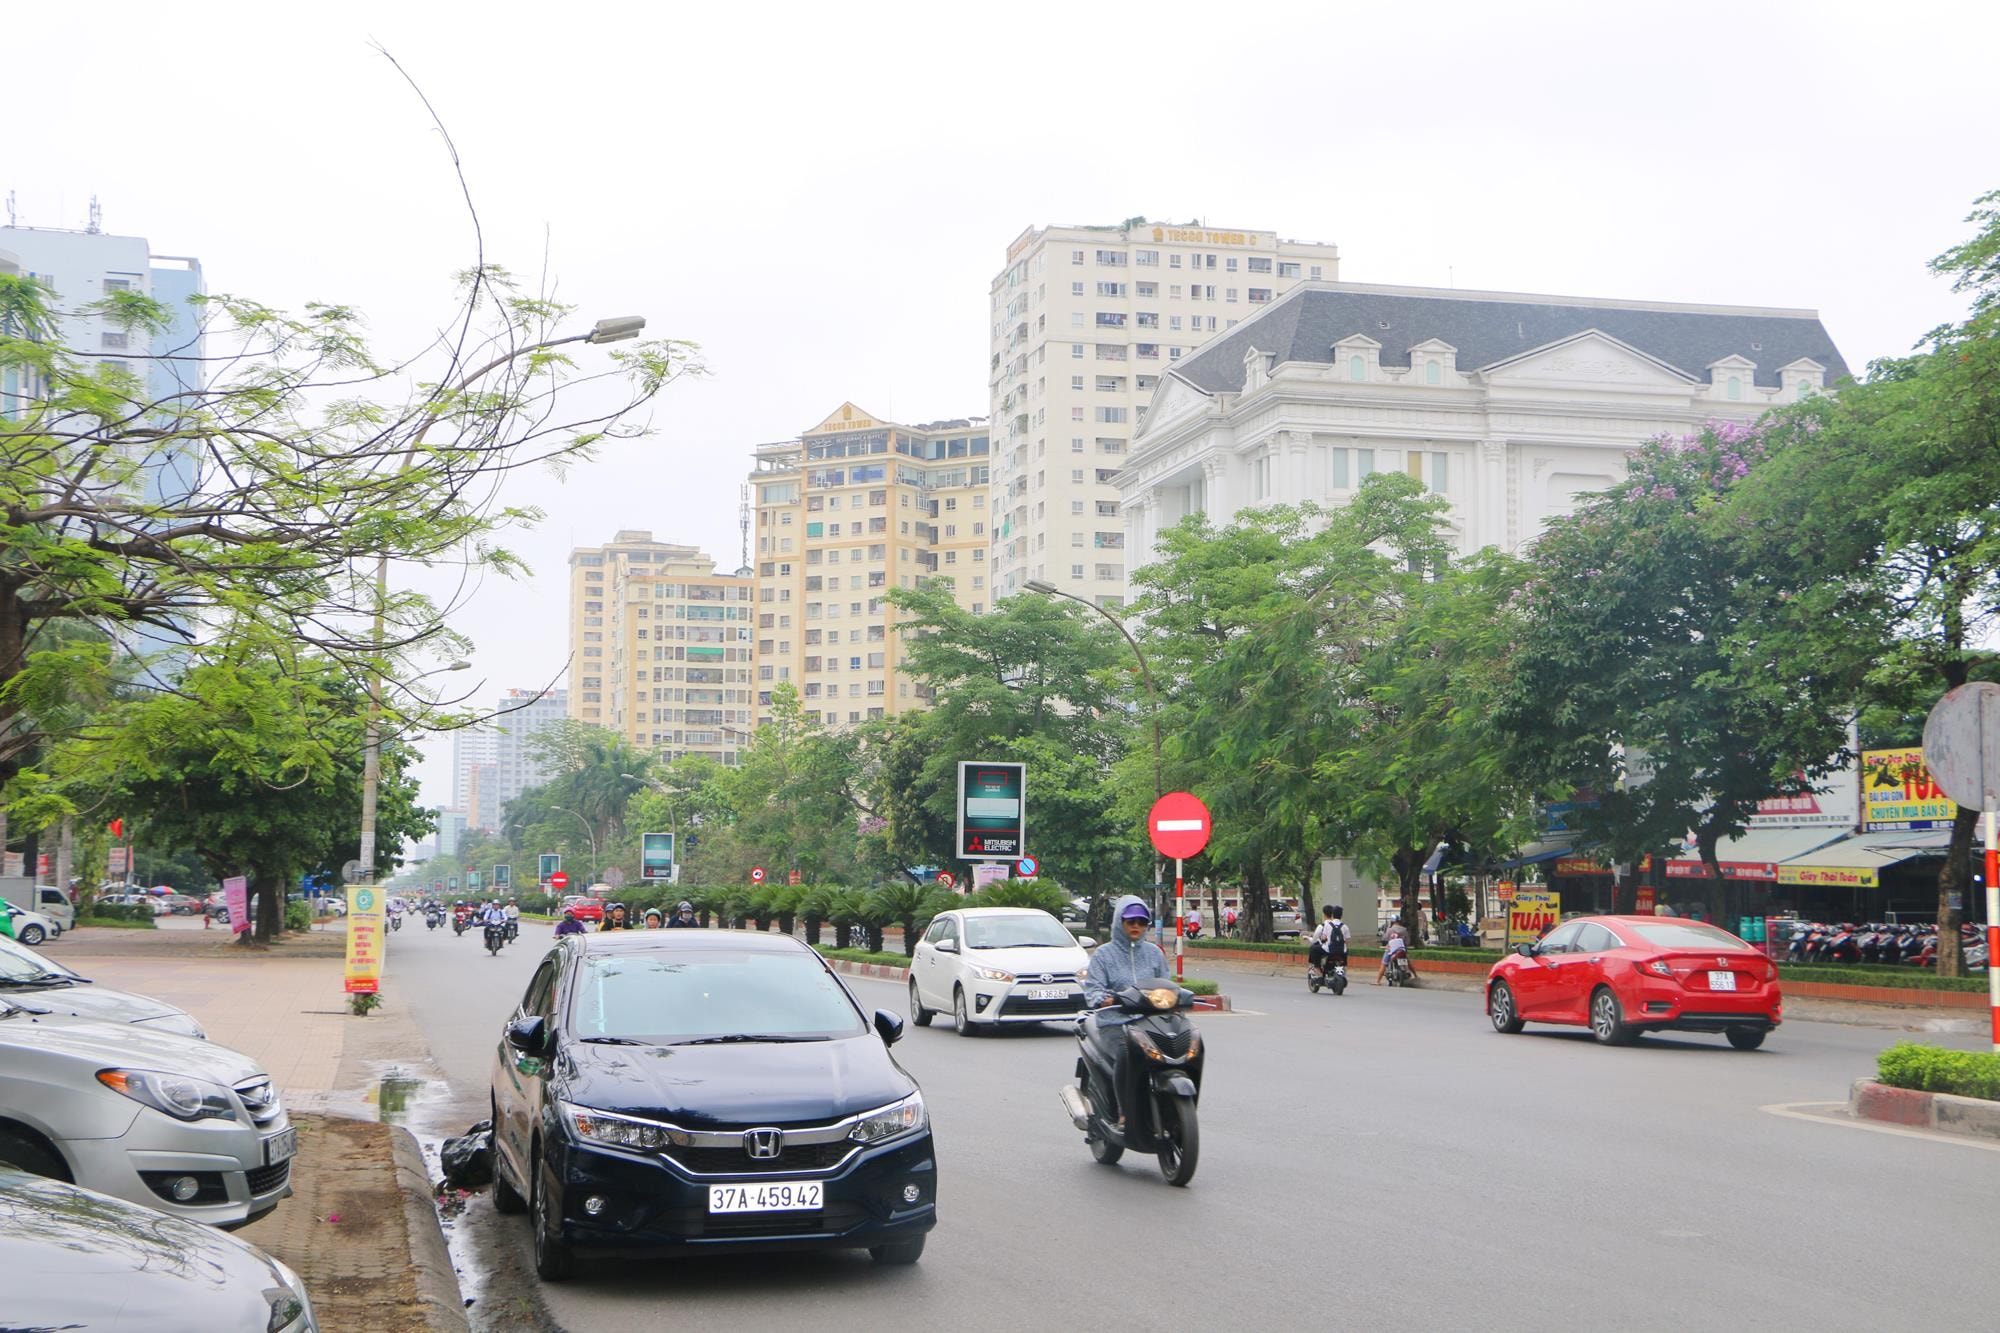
{"x":1078,"y":1108}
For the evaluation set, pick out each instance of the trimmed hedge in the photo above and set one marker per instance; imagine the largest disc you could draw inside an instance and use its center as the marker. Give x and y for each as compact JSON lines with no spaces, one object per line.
{"x":1908,"y":978}
{"x":119,"y":922}
{"x":136,"y":914}
{"x":1910,"y":1064}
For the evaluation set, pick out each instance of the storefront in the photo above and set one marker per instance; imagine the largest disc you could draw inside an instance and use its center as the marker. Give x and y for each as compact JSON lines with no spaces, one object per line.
{"x":1750,"y":862}
{"x":1866,"y":877}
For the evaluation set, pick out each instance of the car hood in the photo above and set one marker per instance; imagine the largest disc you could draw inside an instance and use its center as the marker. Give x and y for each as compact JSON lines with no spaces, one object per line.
{"x":94,"y":1002}
{"x":120,"y":1044}
{"x":1063,"y":964}
{"x":778,"y":1083}
{"x":84,"y":1261}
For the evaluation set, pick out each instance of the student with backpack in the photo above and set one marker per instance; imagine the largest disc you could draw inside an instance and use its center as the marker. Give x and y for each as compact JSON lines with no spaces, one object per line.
{"x":1329,"y":944}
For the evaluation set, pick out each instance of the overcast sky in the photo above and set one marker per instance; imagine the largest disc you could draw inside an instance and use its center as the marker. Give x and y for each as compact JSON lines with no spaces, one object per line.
{"x":820,"y":196}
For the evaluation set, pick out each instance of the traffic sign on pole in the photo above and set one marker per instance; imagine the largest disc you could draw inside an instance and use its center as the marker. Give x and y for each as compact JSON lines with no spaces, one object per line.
{"x":756,"y":874}
{"x":559,"y":881}
{"x":946,"y":879}
{"x":1179,"y":825}
{"x":1027,"y":868}
{"x":1962,"y":752}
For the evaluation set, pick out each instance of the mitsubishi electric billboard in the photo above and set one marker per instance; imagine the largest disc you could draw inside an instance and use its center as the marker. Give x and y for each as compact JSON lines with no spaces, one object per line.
{"x":992,"y":811}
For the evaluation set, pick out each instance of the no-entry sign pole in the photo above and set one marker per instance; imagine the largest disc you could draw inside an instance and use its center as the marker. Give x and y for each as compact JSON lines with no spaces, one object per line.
{"x":1962,"y":752}
{"x":1179,"y":827}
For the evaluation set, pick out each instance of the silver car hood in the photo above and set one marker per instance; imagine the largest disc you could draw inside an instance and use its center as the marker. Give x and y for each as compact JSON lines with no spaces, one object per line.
{"x":122,"y":1044}
{"x":94,"y":1002}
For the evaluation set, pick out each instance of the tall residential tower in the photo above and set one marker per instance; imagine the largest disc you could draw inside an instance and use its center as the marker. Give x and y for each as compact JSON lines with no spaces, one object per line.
{"x":1084,"y":320}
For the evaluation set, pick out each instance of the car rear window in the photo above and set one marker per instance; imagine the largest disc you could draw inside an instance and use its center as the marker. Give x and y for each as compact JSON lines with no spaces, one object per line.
{"x":1683,"y":935}
{"x":671,"y":997}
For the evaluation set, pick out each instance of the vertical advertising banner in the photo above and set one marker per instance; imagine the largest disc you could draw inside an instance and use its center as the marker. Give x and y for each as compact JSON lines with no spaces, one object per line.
{"x":656,"y":856}
{"x":364,"y":939}
{"x":992,"y":811}
{"x":503,"y":876}
{"x":550,"y":863}
{"x":236,"y":896}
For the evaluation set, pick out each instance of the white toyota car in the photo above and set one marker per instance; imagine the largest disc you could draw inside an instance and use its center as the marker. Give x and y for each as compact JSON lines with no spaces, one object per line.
{"x":992,"y":965}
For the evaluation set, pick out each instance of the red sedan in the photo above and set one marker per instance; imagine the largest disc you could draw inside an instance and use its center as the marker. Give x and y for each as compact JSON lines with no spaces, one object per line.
{"x":1624,"y":975}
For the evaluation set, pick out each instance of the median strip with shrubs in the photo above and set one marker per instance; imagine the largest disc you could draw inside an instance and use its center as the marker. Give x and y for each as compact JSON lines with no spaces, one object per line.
{"x":1923,"y":1068}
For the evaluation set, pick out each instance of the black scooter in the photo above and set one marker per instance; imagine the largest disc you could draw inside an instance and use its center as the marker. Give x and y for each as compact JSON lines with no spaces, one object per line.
{"x":430,"y":920}
{"x":495,"y":937}
{"x":1162,"y":1078}
{"x":1331,"y":975}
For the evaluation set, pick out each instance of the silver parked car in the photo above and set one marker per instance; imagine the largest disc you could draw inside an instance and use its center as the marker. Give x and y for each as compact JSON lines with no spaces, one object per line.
{"x":81,"y":1260}
{"x":183,"y":1126}
{"x":47,"y":984}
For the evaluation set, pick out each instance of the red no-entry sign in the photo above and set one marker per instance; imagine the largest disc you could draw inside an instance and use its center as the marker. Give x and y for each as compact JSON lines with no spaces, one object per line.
{"x":559,"y":881}
{"x":1179,"y":825}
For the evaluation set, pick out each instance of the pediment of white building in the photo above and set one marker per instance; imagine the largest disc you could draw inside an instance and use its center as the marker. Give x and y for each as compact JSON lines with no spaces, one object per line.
{"x":1173,"y":399}
{"x":1591,"y":359}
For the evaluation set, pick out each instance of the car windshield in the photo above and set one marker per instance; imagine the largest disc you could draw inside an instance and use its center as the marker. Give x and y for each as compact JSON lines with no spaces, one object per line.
{"x":672,"y":998}
{"x":1038,"y":931}
{"x":21,"y":964}
{"x":1683,"y":935}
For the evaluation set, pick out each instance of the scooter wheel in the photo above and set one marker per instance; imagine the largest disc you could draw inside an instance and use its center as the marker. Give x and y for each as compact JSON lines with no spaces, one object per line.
{"x":1312,"y":983}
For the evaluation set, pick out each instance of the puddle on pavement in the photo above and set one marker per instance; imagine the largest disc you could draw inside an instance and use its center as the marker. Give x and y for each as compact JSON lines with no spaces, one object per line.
{"x":394,"y":1096}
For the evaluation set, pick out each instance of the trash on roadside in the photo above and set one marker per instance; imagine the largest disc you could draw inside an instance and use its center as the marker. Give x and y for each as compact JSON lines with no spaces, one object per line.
{"x":468,"y":1159}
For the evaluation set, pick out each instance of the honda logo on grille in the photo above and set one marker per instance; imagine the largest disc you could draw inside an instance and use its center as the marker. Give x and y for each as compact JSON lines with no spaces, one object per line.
{"x":763,"y":1144}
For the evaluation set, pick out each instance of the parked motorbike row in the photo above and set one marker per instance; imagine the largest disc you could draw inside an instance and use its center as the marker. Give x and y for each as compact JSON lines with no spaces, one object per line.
{"x":1909,"y":944}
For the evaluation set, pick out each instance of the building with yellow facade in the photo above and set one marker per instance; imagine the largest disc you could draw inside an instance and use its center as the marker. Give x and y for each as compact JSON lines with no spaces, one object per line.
{"x":661,"y":647}
{"x":852,"y":508}
{"x":1084,"y":321}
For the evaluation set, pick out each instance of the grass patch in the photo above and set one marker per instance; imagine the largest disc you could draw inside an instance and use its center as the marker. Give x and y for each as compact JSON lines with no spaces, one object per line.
{"x":1910,"y":1064}
{"x":117,"y":922}
{"x":864,"y":956}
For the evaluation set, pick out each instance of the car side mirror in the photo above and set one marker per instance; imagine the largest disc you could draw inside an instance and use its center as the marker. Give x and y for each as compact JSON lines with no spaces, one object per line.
{"x":889,"y":1026}
{"x":528,"y":1035}
{"x":1527,"y":950}
{"x":1087,"y":941}
{"x":946,"y":946}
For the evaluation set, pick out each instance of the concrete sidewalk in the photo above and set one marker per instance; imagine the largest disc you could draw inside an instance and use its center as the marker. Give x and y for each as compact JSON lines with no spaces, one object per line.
{"x":361,"y":1226}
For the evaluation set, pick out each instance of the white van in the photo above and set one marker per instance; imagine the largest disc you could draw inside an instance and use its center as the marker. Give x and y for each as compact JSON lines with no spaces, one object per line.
{"x":51,"y":902}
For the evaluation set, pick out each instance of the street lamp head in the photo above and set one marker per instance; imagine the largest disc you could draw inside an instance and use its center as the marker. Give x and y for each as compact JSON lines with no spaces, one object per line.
{"x":1041,"y":586}
{"x":459,"y":666}
{"x":617,"y":330}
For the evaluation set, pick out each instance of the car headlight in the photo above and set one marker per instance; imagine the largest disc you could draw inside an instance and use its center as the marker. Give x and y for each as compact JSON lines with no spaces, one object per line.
{"x":1163,"y":997}
{"x":992,"y":974}
{"x":179,"y":1024}
{"x":291,"y":1308}
{"x":1082,"y":975}
{"x":622,"y":1131}
{"x":179,"y":1096}
{"x":904,"y":1117}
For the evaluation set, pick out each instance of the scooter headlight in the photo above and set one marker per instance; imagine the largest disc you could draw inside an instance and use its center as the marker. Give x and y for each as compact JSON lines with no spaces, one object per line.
{"x":1163,"y":997}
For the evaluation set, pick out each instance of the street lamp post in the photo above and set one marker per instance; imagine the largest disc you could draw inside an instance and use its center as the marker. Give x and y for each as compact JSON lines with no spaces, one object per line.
{"x":604,"y":331}
{"x":589,"y":832}
{"x":1146,"y":672}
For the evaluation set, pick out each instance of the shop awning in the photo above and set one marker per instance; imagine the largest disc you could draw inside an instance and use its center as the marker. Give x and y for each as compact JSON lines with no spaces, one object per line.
{"x":1857,"y":860}
{"x":1756,"y":854}
{"x":1535,"y":853}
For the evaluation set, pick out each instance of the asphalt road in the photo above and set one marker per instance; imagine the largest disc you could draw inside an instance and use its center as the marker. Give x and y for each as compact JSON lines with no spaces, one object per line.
{"x":1381,"y":1156}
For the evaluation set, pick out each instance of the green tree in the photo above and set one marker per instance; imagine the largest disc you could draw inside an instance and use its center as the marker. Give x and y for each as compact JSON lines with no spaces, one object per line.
{"x":1656,"y":631}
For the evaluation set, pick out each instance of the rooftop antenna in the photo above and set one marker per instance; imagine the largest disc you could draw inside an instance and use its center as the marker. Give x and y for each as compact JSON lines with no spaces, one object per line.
{"x":96,"y":217}
{"x":11,"y":221}
{"x":743,"y":521}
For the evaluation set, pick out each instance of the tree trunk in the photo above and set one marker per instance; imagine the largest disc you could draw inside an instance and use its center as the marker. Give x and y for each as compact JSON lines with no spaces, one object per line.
{"x":909,"y":937}
{"x":787,"y":923}
{"x":842,"y":933}
{"x":1215,"y":907}
{"x":813,"y":923}
{"x":1720,"y":895}
{"x":1625,"y":891}
{"x":874,"y":939}
{"x":1255,"y":917}
{"x":1955,"y":878}
{"x":66,"y":853}
{"x":270,"y":891}
{"x":1408,"y":864}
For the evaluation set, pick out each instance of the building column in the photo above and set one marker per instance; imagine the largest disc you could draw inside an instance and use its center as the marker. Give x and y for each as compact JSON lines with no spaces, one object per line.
{"x":1216,"y":500}
{"x":1491,"y":500}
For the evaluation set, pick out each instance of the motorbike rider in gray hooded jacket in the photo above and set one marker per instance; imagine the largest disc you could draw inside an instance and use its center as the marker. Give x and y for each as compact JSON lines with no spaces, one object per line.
{"x":1126,"y":959}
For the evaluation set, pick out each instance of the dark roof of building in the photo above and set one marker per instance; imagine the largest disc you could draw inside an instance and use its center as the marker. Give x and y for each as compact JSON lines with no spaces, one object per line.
{"x":1491,"y":327}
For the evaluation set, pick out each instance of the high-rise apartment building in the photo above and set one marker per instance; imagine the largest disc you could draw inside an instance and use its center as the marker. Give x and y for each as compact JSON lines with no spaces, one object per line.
{"x":495,"y":761}
{"x":660,"y":646}
{"x":1084,"y":320}
{"x":852,"y":508}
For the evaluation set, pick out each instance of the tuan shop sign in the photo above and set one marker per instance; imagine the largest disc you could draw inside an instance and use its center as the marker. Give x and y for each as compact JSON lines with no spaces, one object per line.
{"x":1897,"y":792}
{"x":1766,"y":871}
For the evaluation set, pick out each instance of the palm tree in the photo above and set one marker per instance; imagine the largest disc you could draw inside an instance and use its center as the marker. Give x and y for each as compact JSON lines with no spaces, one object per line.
{"x":911,"y":905}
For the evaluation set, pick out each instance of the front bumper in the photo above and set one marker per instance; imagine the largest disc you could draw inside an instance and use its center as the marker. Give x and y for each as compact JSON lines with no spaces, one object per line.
{"x":649,"y":1205}
{"x":225,"y":1158}
{"x":1011,"y":1002}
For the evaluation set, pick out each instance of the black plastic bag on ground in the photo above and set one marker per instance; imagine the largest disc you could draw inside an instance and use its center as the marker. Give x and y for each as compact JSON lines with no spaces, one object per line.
{"x":468,"y":1159}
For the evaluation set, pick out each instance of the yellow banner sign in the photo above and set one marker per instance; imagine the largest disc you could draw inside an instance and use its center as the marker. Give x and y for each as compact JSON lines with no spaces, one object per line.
{"x":1846,"y":877}
{"x":1897,"y":791}
{"x":364,"y":939}
{"x":1532,"y":914}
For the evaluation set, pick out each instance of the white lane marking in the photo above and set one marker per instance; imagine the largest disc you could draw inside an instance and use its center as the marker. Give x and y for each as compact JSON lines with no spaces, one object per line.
{"x":1797,"y":1111}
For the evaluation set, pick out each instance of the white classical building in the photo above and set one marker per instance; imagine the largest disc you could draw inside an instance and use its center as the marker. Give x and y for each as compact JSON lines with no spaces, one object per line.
{"x":1510,"y":406}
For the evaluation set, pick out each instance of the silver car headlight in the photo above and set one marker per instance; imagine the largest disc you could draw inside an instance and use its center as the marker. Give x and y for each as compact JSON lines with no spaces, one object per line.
{"x":178,"y":1095}
{"x":622,"y":1131}
{"x":992,"y":974}
{"x":291,"y":1307}
{"x":182,"y":1025}
{"x":904,"y":1117}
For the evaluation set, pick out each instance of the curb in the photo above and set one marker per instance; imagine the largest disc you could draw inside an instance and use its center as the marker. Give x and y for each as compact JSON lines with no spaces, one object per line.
{"x":1974,"y":1117}
{"x":884,"y":972}
{"x":430,"y":1260}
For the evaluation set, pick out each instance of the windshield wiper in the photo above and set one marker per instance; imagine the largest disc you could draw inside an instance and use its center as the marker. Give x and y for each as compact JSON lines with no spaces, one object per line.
{"x":38,"y":982}
{"x":615,"y":1041}
{"x":744,"y":1036}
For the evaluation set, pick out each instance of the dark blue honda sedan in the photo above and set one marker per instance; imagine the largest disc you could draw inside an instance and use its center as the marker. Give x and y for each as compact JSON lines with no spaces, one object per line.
{"x":672,"y":1092}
